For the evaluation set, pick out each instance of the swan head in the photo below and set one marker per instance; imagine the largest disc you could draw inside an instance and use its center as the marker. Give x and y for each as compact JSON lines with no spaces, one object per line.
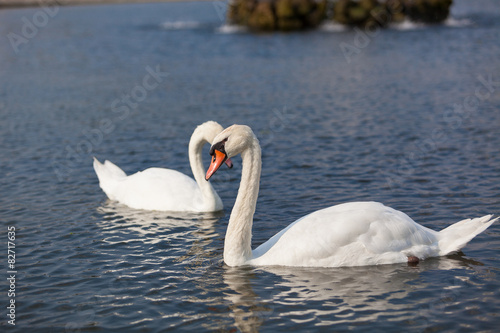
{"x":206,"y":132}
{"x":227,"y":144}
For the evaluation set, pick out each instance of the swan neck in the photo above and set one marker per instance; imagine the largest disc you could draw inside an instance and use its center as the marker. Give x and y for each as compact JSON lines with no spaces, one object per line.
{"x":210,"y":197}
{"x":238,"y":242}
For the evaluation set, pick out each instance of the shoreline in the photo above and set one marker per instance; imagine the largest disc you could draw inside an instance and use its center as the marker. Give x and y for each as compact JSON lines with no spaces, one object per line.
{"x":5,"y":4}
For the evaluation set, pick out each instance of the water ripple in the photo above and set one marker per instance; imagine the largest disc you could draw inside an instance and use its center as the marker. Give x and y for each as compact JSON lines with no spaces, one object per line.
{"x":375,"y":128}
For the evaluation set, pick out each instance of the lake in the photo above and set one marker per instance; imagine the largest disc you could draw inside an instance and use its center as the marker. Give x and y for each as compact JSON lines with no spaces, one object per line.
{"x":408,"y":116}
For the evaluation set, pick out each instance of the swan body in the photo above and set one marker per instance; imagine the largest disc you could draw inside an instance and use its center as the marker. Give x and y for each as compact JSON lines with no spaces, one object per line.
{"x":349,"y":234}
{"x":165,"y":189}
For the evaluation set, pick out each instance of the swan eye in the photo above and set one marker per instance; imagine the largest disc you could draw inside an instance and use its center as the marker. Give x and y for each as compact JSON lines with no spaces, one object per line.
{"x":218,"y":146}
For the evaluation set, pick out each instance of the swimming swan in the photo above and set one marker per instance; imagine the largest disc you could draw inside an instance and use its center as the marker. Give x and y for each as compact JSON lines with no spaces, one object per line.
{"x":349,"y":234}
{"x":165,"y":189}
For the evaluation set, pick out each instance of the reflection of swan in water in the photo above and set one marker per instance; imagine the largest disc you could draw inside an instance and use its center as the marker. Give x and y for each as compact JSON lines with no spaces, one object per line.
{"x":152,"y":224}
{"x":163,"y":250}
{"x":166,"y":237}
{"x":342,"y":294}
{"x":363,"y":282}
{"x":248,"y":312}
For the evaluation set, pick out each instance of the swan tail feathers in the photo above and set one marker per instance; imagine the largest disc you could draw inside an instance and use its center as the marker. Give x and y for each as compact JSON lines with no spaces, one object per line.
{"x":456,"y":236}
{"x":108,"y":173}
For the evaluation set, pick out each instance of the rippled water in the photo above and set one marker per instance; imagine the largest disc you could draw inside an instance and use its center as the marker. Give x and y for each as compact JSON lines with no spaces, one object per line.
{"x":408,"y":119}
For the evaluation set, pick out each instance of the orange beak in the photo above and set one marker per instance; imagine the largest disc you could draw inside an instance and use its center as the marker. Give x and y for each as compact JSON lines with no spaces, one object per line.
{"x":217,"y":159}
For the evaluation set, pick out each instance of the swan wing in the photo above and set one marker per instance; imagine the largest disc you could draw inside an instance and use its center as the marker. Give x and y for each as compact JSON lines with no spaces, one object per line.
{"x":351,"y":234}
{"x":158,"y":189}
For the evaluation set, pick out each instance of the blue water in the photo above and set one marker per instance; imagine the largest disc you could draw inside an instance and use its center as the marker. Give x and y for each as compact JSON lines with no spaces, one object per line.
{"x":409,"y":117}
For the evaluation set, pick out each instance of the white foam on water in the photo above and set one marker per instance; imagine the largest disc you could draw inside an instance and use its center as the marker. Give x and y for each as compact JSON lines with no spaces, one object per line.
{"x":408,"y":25}
{"x":457,"y":23}
{"x":230,"y":29}
{"x":180,"y":25}
{"x":332,"y":27}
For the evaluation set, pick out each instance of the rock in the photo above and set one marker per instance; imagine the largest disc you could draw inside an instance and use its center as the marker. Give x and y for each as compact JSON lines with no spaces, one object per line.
{"x":290,"y":24}
{"x":239,"y":11}
{"x":314,"y":18}
{"x":284,"y":9}
{"x":363,"y":13}
{"x":284,"y":15}
{"x":262,"y":17}
{"x":427,"y":11}
{"x":303,"y":7}
{"x":290,"y":15}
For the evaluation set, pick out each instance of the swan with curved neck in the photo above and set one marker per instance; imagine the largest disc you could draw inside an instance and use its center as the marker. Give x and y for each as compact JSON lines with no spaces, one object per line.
{"x":349,"y":234}
{"x":165,"y":189}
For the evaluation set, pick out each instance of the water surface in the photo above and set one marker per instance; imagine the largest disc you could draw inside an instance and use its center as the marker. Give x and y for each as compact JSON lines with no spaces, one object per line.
{"x":410,"y":119}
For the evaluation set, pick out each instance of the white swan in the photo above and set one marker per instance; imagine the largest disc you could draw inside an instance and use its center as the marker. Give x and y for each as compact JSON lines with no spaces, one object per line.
{"x":350,"y":234}
{"x":165,"y":189}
